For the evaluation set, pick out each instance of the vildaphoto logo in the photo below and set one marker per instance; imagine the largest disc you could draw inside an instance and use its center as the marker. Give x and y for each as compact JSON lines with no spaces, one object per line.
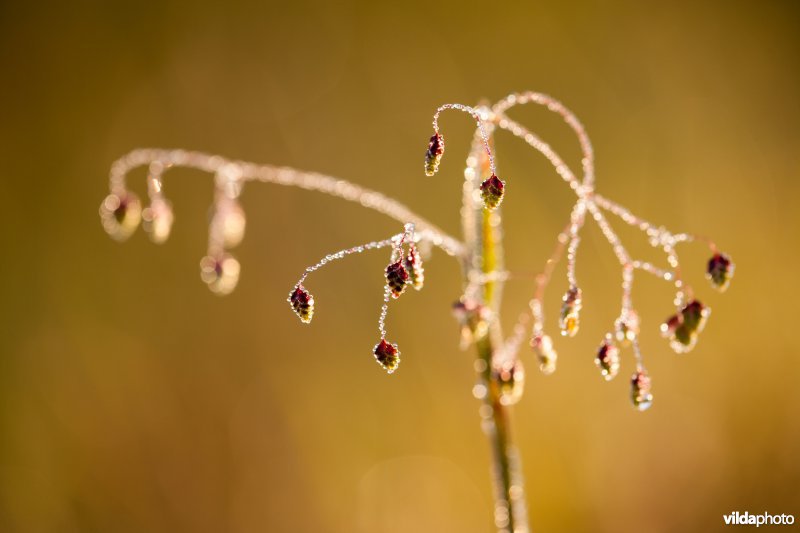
{"x":765,"y":519}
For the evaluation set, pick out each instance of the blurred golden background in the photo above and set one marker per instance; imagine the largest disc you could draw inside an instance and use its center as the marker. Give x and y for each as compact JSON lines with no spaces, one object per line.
{"x":134,"y":400}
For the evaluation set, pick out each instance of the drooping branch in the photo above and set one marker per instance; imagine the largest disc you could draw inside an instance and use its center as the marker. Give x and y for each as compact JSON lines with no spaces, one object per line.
{"x":682,"y":329}
{"x":232,"y":174}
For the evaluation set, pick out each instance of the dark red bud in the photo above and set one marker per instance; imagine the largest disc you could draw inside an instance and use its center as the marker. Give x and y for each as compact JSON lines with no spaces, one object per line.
{"x":492,"y":190}
{"x":396,"y":278}
{"x":387,"y":355}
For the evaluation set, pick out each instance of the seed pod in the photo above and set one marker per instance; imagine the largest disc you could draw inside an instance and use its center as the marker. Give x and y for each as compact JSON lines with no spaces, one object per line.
{"x":720,"y":271}
{"x":433,"y":156}
{"x":640,"y":391}
{"x":413,"y":265}
{"x":157,"y":220}
{"x":302,"y":303}
{"x":492,"y":191}
{"x":570,"y":312}
{"x":510,"y":378}
{"x":387,"y":355}
{"x":396,"y":278}
{"x":607,"y":359}
{"x":543,"y":348}
{"x":120,"y":214}
{"x":220,"y":272}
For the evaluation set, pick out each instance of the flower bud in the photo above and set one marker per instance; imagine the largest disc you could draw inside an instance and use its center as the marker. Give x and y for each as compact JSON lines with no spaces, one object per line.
{"x":120,"y":214}
{"x":720,"y":271}
{"x":640,"y":391}
{"x":694,"y":316}
{"x":626,"y":330}
{"x":220,"y":272}
{"x":387,"y":355}
{"x":157,"y":220}
{"x":413,"y":265}
{"x":683,"y":328}
{"x":543,"y":348}
{"x":570,"y":312}
{"x":607,"y":359}
{"x":396,"y":278}
{"x":302,"y":303}
{"x":492,"y":190}
{"x":433,"y":156}
{"x":510,"y":378}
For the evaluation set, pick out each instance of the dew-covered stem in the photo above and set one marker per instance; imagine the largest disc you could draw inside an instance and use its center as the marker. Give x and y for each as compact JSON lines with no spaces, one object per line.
{"x":483,"y":238}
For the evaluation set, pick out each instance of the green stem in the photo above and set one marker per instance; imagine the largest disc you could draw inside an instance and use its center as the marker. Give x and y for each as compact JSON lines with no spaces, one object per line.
{"x":483,"y":235}
{"x":509,"y":510}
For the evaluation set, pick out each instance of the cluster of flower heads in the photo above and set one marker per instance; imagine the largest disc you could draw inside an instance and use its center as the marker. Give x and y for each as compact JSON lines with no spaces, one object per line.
{"x":121,"y":212}
{"x":682,"y":328}
{"x":404,"y":269}
{"x":492,"y":189}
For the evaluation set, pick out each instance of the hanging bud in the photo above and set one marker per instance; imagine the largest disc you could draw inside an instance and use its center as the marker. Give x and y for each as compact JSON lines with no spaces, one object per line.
{"x":607,"y":359}
{"x":302,"y":303}
{"x":433,"y":156}
{"x":120,"y":214}
{"x":396,"y":278}
{"x":694,"y":316}
{"x":626,"y":329}
{"x":543,"y":348}
{"x":157,"y":220}
{"x":387,"y":355}
{"x":570,"y":312}
{"x":720,"y":271}
{"x":510,"y":378}
{"x":220,"y":272}
{"x":492,"y":190}
{"x":413,"y":265}
{"x":683,"y":328}
{"x":228,"y":223}
{"x":640,"y":391}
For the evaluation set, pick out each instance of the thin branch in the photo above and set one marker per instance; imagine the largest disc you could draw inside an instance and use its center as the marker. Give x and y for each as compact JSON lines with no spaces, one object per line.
{"x":245,"y":171}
